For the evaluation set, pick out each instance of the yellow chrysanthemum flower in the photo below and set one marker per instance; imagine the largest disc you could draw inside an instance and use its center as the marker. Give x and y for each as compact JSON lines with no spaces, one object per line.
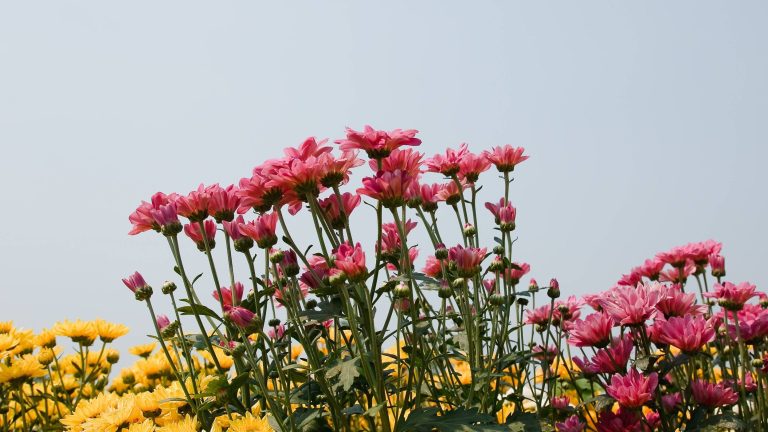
{"x":187,"y":424}
{"x":26,"y":342}
{"x":143,"y":350}
{"x":145,"y":426}
{"x":110,"y":331}
{"x":6,"y":326}
{"x":8,"y":342}
{"x":88,"y":409}
{"x":82,"y":332}
{"x":250,"y":423}
{"x":46,"y":339}
{"x":21,"y":369}
{"x":225,"y":361}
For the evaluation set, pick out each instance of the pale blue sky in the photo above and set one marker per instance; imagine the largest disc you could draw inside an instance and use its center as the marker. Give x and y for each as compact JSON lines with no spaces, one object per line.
{"x":645,"y":121}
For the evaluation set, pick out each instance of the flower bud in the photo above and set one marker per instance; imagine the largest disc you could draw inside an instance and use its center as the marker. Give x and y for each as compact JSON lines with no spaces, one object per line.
{"x":243,"y":244}
{"x":45,"y":357}
{"x":554,"y":289}
{"x":337,"y":279}
{"x":274,"y":322}
{"x":496,"y":265}
{"x":402,"y":291}
{"x":311,"y":304}
{"x":238,"y":351}
{"x":497,"y":300}
{"x":113,"y":356}
{"x":170,"y":330}
{"x":445,"y":291}
{"x":171,"y":229}
{"x":469,"y":230}
{"x":168,"y":287}
{"x":757,"y":363}
{"x":498,"y":249}
{"x":458,"y":283}
{"x":128,"y":377}
{"x":522,"y":301}
{"x":441,"y":252}
{"x":276,"y":256}
{"x":533,"y":286}
{"x":143,"y":293}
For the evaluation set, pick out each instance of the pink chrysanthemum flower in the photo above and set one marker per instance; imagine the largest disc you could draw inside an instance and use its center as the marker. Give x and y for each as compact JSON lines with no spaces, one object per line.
{"x":232,"y":228}
{"x":560,"y":402}
{"x":568,"y":309}
{"x":223,"y":202}
{"x":541,"y":316}
{"x":425,"y":195}
{"x":135,"y":282}
{"x":240,"y":316}
{"x":338,"y":169}
{"x":338,"y":215}
{"x":391,"y":245}
{"x":651,"y":268}
{"x":433,"y":267}
{"x":612,"y":359}
{"x":255,"y":194}
{"x":732,"y":297}
{"x":406,"y":160}
{"x":227,"y":295}
{"x":717,"y":265}
{"x":451,"y":193}
{"x":142,"y":220}
{"x":634,"y":389}
{"x":351,"y":260}
{"x":467,"y":260}
{"x":448,"y":164}
{"x":571,"y":424}
{"x":621,"y":421}
{"x":631,"y":306}
{"x":389,"y":187}
{"x":504,"y":214}
{"x":514,"y":274}
{"x":277,"y":332}
{"x":676,"y":303}
{"x":712,"y":395}
{"x":688,"y":333}
{"x":166,"y":217}
{"x":262,"y":230}
{"x":194,"y":206}
{"x":192,"y":230}
{"x":505,"y":158}
{"x":378,"y":144}
{"x":163,"y":321}
{"x":594,"y":331}
{"x":471,"y":166}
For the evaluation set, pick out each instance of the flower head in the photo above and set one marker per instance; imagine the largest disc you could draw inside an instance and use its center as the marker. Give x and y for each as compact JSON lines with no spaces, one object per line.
{"x":631,"y":306}
{"x":378,"y":143}
{"x":504,"y":214}
{"x":142,"y":220}
{"x":571,"y":424}
{"x":389,"y":187}
{"x":467,"y":260}
{"x":448,"y":164}
{"x":193,"y":231}
{"x":713,"y":395}
{"x":505,"y":158}
{"x":337,"y":214}
{"x":262,"y":230}
{"x":194,"y":206}
{"x":688,"y":333}
{"x":223,"y":202}
{"x":230,"y":296}
{"x":732,"y":297}
{"x":634,"y":389}
{"x":351,"y":260}
{"x":594,"y":330}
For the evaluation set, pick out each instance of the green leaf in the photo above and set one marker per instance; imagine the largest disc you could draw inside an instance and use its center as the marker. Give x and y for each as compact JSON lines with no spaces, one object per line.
{"x":458,"y":420}
{"x":198,"y":309}
{"x":523,"y":422}
{"x":347,"y":371}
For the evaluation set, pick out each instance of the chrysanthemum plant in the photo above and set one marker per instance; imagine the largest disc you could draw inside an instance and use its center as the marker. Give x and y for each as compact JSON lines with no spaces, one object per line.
{"x":325,"y":333}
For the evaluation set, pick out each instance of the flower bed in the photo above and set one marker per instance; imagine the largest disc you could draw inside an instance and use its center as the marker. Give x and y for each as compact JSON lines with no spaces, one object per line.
{"x":326,"y":333}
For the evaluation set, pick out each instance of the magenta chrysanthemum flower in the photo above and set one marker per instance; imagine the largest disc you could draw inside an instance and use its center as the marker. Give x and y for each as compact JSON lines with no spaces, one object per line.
{"x":732,"y":297}
{"x":504,"y":214}
{"x":471,"y":166}
{"x":513,"y":275}
{"x":612,"y":359}
{"x":713,"y":395}
{"x":634,"y":389}
{"x":227,"y":295}
{"x":192,"y":230}
{"x":240,"y":316}
{"x":142,"y":219}
{"x":505,"y":158}
{"x":631,"y":306}
{"x":594,"y":331}
{"x":194,"y":206}
{"x":448,"y":164}
{"x":262,"y":230}
{"x":389,"y":187}
{"x":378,"y":144}
{"x":425,"y":195}
{"x":351,"y":260}
{"x":675,"y":303}
{"x":406,"y":160}
{"x":571,"y":424}
{"x":467,"y":260}
{"x":717,"y":265}
{"x":688,"y":333}
{"x":135,"y":282}
{"x":338,"y":215}
{"x":223,"y":202}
